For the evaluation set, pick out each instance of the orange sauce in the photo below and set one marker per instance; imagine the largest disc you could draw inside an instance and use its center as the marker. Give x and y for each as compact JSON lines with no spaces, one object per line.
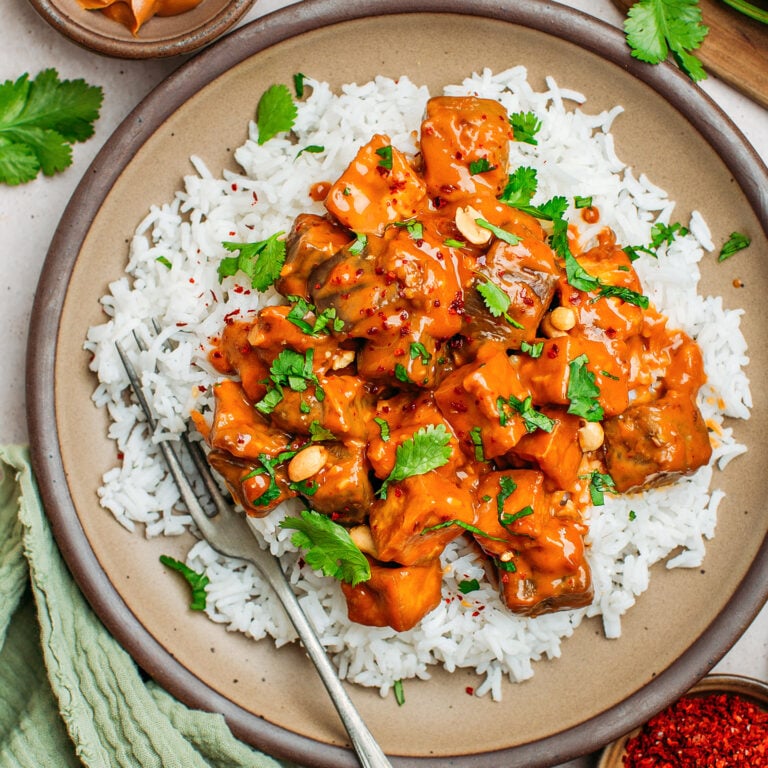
{"x":133,"y":14}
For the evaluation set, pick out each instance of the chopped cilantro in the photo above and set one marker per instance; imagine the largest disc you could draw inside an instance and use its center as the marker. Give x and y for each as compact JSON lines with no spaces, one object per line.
{"x":582,"y":391}
{"x":275,"y":112}
{"x":428,"y":449}
{"x":164,"y":261}
{"x":417,"y":349}
{"x":476,"y":437}
{"x":632,"y":514}
{"x":582,"y":202}
{"x":328,"y":546}
{"x":401,"y":374}
{"x":261,"y":261}
{"x":383,"y":429}
{"x":599,"y":485}
{"x":358,"y":246}
{"x":736,"y":242}
{"x":532,"y":350}
{"x":397,"y":689}
{"x":521,"y":187}
{"x":290,"y":369}
{"x":197,"y":581}
{"x":532,"y":419}
{"x":480,"y":166}
{"x":506,"y":519}
{"x":453,"y":243}
{"x":466,"y":526}
{"x":468,"y":585}
{"x":301,"y":308}
{"x":313,"y":149}
{"x":507,"y":487}
{"x":525,"y":126}
{"x":385,"y":153}
{"x":414,"y":228}
{"x":298,"y":84}
{"x":502,"y":234}
{"x":318,"y":432}
{"x":666,"y":233}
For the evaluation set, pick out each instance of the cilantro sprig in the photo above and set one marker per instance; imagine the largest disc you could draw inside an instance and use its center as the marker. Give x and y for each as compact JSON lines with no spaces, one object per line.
{"x":261,"y":262}
{"x":532,"y":419}
{"x":655,"y":28}
{"x":525,"y":126}
{"x":329,"y":547}
{"x":496,"y":301}
{"x":39,"y":121}
{"x":429,"y":448}
{"x":290,"y":369}
{"x":197,"y":581}
{"x":583,"y":392}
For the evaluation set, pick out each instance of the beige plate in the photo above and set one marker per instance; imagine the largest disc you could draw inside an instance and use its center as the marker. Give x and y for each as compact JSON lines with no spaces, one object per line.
{"x":599,"y":689}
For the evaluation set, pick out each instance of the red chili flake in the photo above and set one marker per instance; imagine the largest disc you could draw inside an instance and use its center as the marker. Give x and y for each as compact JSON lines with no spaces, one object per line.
{"x":192,"y":280}
{"x":553,"y":352}
{"x":181,"y":325}
{"x":120,"y":456}
{"x":610,"y":333}
{"x":234,"y":187}
{"x":398,"y":492}
{"x":717,"y":730}
{"x":469,"y":690}
{"x":202,"y":387}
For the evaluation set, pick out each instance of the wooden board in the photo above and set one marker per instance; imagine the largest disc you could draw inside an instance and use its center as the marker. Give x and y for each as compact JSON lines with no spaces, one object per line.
{"x":735,"y":50}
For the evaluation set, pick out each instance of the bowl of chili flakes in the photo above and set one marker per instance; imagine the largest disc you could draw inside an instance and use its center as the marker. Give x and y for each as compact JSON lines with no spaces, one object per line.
{"x":720,"y":721}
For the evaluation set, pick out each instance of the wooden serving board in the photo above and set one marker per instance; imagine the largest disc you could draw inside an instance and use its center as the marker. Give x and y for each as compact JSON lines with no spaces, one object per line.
{"x":735,"y":50}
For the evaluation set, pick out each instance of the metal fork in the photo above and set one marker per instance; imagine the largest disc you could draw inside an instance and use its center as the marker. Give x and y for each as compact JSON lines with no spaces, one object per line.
{"x":229,"y":534}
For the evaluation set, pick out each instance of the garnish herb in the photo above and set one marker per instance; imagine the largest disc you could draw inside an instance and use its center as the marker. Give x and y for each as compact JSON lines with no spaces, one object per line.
{"x":582,"y":391}
{"x":298,"y":84}
{"x":261,"y":262}
{"x":480,"y":166}
{"x":521,"y":187}
{"x":666,"y":233}
{"x":477,"y":440}
{"x":496,"y":301}
{"x":625,"y":294}
{"x":417,"y":349}
{"x":414,"y":228}
{"x":328,"y":546}
{"x":532,"y":350}
{"x":505,"y":565}
{"x":313,"y":149}
{"x":290,"y":369}
{"x":452,"y":243}
{"x":654,"y":28}
{"x":582,"y":202}
{"x":383,"y":429}
{"x":301,"y":308}
{"x":397,"y":689}
{"x":268,"y":464}
{"x":632,"y":514}
{"x":468,"y":585}
{"x":401,"y":374}
{"x":532,"y":419}
{"x":579,"y":278}
{"x":507,"y":487}
{"x":599,"y":485}
{"x":428,"y":449}
{"x":39,"y":121}
{"x":736,"y":242}
{"x":525,"y":126}
{"x":506,"y":519}
{"x":357,"y":247}
{"x":466,"y":526}
{"x":318,"y":432}
{"x":502,"y":234}
{"x":275,"y":112}
{"x":385,"y":153}
{"x":197,"y":581}
{"x":164,"y":261}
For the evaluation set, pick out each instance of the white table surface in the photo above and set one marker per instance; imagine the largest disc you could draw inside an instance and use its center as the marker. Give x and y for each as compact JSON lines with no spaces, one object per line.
{"x":29,"y":213}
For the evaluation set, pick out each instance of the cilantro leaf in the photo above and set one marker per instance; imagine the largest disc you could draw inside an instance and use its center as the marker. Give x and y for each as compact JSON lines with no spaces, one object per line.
{"x":496,"y":301}
{"x":293,"y":370}
{"x":468,"y":585}
{"x":397,"y":689}
{"x":625,"y":294}
{"x":507,"y":487}
{"x":666,"y":233}
{"x":521,"y":186}
{"x":417,"y":349}
{"x":656,"y":27}
{"x":577,"y":276}
{"x":736,"y":242}
{"x":481,"y":166}
{"x":383,"y":429}
{"x":426,"y":450}
{"x":39,"y":120}
{"x":328,"y":546}
{"x":476,"y":436}
{"x":275,"y":112}
{"x":525,"y":126}
{"x":197,"y":581}
{"x":318,"y":432}
{"x":261,"y":261}
{"x":532,"y":419}
{"x":359,"y":244}
{"x":532,"y":350}
{"x":582,"y":391}
{"x":298,"y":84}
{"x":466,"y":526}
{"x":385,"y":153}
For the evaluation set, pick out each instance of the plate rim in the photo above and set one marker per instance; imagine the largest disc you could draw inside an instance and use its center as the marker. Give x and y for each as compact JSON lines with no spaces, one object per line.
{"x":560,"y":21}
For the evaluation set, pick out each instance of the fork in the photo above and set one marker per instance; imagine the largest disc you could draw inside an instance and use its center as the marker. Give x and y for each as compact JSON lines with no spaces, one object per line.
{"x":227,"y":532}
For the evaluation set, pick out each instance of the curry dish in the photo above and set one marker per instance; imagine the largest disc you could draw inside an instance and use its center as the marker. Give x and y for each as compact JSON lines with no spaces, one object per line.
{"x":424,"y":313}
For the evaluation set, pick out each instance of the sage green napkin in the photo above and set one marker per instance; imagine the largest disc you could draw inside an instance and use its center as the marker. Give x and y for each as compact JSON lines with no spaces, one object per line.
{"x":69,"y":694}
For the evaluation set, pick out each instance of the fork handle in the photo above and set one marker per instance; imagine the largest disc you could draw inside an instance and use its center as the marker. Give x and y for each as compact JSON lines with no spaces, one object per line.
{"x":368,"y":751}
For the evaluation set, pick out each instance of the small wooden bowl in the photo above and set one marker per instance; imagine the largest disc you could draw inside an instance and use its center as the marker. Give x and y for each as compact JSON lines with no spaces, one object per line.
{"x":746,"y":687}
{"x":159,"y":37}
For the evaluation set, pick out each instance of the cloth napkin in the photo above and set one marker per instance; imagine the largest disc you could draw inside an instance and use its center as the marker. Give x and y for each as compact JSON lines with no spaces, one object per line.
{"x":69,"y":694}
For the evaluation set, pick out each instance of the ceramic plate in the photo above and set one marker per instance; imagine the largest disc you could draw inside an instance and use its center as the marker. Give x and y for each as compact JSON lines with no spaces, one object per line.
{"x":599,"y":688}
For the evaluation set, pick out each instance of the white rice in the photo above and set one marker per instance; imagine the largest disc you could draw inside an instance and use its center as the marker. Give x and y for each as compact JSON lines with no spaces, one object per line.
{"x":575,"y":156}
